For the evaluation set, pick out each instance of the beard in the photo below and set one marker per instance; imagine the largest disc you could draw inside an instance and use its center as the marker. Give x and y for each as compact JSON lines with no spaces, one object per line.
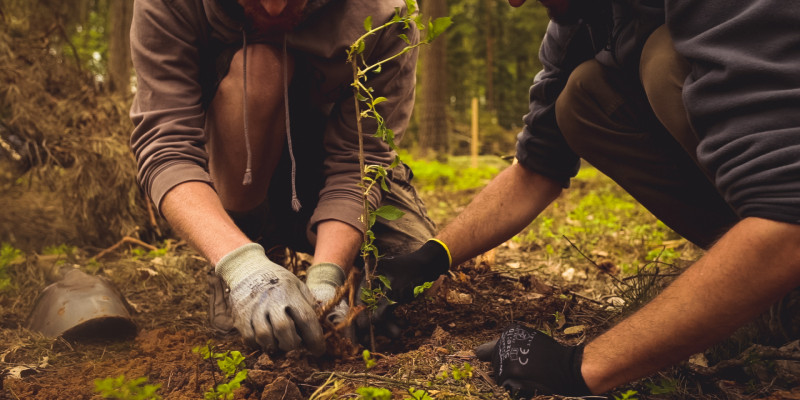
{"x":261,"y":21}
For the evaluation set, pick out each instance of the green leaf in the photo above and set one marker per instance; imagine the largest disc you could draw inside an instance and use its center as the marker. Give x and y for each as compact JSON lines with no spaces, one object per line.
{"x":360,"y":48}
{"x":373,"y":393}
{"x":405,"y":38}
{"x":385,"y":281}
{"x":418,"y":290}
{"x":379,"y":100}
{"x":411,"y":7}
{"x":388,"y":212}
{"x":437,"y":27}
{"x":441,"y":24}
{"x":371,"y":219}
{"x":368,"y":23}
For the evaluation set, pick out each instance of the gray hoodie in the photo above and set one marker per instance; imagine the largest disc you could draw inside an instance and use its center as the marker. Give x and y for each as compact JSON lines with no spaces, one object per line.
{"x":173,"y":43}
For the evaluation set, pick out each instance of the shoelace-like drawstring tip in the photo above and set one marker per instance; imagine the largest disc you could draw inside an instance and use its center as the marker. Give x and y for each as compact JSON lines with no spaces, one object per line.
{"x":248,"y":177}
{"x":295,"y":204}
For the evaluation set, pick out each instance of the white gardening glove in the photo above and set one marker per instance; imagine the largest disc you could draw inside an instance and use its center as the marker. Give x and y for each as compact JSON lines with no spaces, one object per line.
{"x":271,"y":306}
{"x":323,"y":280}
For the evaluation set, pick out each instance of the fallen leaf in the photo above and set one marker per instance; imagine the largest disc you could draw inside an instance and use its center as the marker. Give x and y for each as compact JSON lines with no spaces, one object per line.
{"x":146,"y":273}
{"x":698,"y":359}
{"x":454,"y":297}
{"x":20,"y":371}
{"x":574,"y":330}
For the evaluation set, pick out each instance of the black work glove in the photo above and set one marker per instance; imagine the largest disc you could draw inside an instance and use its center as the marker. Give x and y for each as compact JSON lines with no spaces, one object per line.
{"x":527,"y":362}
{"x":404,"y":273}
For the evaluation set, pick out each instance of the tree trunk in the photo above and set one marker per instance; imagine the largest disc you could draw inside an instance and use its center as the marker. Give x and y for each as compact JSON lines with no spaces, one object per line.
{"x":490,"y":39}
{"x":433,"y":132}
{"x":119,"y":53}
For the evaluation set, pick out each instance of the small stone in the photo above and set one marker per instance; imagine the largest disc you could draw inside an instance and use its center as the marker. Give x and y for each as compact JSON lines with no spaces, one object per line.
{"x":569,"y":274}
{"x":281,"y":389}
{"x":263,"y":362}
{"x":260,"y":378}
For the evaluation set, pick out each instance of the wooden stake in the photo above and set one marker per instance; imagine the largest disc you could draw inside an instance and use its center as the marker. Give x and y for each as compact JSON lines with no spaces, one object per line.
{"x":474,"y":142}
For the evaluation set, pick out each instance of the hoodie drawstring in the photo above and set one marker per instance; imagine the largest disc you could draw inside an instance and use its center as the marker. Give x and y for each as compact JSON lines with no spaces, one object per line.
{"x":295,"y":200}
{"x":248,"y":173}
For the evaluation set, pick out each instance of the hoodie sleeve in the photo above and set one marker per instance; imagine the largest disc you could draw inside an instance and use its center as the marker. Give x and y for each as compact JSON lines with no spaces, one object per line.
{"x":168,"y":137}
{"x":540,"y":146}
{"x":743,"y":98}
{"x":340,"y":199}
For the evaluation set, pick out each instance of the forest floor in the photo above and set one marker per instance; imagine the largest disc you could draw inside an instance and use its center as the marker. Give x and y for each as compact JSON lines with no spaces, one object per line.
{"x":573,"y":298}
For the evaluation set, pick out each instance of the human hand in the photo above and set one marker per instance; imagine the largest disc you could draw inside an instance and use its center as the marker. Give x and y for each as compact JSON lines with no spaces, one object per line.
{"x":323,"y":280}
{"x":271,"y":306}
{"x":527,"y":362}
{"x":404,"y":273}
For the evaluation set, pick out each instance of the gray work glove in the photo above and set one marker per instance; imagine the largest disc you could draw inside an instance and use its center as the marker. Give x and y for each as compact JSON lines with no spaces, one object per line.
{"x":271,"y":306}
{"x":323,"y":280}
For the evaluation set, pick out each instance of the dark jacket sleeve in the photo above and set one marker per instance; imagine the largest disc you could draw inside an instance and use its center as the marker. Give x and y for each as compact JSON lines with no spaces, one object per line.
{"x":743,"y":98}
{"x":541,"y":146}
{"x":168,"y":137}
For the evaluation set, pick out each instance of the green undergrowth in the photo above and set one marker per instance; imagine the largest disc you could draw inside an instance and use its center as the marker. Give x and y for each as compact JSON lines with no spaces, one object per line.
{"x":457,"y":174}
{"x":595,"y":223}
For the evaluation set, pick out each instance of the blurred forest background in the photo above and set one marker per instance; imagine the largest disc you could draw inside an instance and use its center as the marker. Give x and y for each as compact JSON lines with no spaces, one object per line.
{"x":66,"y":83}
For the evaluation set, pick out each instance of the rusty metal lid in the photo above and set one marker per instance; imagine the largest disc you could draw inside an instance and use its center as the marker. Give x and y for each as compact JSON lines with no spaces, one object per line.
{"x":82,"y":306}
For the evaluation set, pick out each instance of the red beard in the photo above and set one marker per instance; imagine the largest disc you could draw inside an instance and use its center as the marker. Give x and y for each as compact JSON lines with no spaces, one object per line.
{"x":263,"y":22}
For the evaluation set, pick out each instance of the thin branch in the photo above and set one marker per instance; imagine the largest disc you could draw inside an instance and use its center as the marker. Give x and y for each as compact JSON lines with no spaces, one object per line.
{"x":152,"y":215}
{"x":592,"y":261}
{"x":65,"y":36}
{"x":126,"y":239}
{"x":754,"y":352}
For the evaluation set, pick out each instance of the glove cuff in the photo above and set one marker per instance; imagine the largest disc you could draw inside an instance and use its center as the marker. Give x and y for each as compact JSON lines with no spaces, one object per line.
{"x":325,"y":274}
{"x":241,"y":262}
{"x":446,"y":249}
{"x":437,"y":254}
{"x":577,"y":377}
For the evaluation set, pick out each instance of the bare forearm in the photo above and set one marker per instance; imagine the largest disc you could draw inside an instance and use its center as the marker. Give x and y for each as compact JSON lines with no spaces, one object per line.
{"x":507,"y":205}
{"x":195,"y":212}
{"x":751,"y":267}
{"x":337,"y":242}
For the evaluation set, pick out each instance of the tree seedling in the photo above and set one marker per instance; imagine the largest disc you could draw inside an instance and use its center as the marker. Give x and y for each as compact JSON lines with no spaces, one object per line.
{"x":366,"y":100}
{"x":373,"y":393}
{"x":123,"y":389}
{"x":230,"y":364}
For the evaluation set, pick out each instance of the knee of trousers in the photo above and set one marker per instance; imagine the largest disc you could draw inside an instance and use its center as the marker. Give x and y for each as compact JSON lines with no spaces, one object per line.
{"x":662,"y":69}
{"x":584,"y":105}
{"x":265,"y":65}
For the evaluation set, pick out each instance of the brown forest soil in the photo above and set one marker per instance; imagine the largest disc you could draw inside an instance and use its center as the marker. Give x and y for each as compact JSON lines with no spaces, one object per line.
{"x":437,"y":333}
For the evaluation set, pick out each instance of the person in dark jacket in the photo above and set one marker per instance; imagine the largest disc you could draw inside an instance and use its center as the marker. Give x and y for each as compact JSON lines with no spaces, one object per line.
{"x":245,"y":137}
{"x":690,"y":106}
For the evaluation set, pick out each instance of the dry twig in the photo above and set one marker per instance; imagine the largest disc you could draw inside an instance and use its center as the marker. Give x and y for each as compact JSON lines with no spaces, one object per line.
{"x":126,"y":239}
{"x":754,"y":352}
